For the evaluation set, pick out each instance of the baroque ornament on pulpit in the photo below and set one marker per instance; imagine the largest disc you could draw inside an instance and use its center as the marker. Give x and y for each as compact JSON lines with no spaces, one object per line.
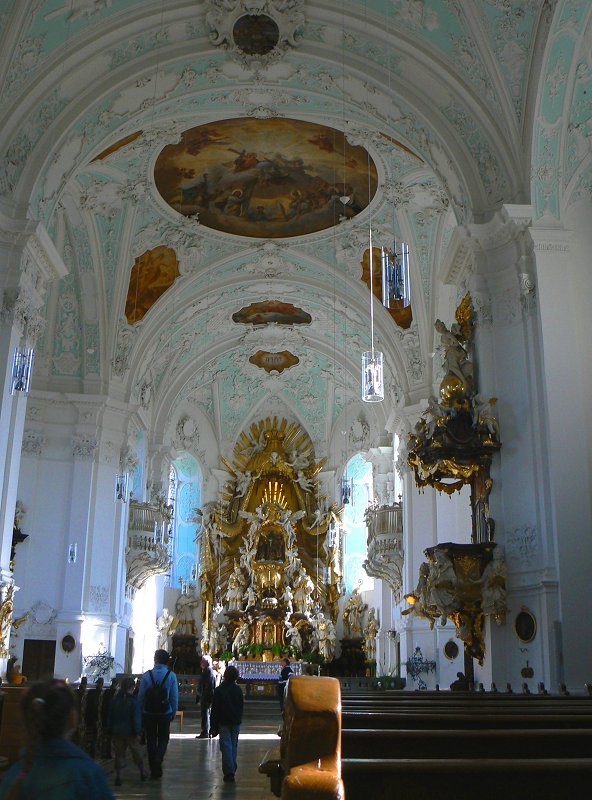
{"x":452,"y":445}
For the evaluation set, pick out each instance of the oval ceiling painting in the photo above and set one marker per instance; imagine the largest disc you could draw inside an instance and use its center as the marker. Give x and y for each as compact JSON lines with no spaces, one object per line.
{"x":265,"y":178}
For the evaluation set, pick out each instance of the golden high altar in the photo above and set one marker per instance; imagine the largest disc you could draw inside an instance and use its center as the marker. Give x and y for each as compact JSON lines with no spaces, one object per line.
{"x":271,"y":558}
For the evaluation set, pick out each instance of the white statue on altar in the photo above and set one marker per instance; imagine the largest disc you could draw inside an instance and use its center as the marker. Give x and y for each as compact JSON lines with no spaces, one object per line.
{"x":184,"y":618}
{"x":293,"y":635}
{"x":165,"y":625}
{"x":306,"y":484}
{"x":242,"y":637}
{"x":303,"y":589}
{"x":287,"y":598}
{"x":234,"y":592}
{"x":250,"y":596}
{"x":323,"y":635}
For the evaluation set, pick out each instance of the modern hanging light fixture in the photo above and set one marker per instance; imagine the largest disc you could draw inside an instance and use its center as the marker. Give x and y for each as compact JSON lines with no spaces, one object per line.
{"x":22,"y":370}
{"x":372,"y":360}
{"x":396,"y":287}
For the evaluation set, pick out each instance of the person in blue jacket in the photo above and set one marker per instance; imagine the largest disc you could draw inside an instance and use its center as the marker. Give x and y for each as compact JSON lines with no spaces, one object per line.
{"x":52,"y":768}
{"x":124,"y":724}
{"x":157,"y":718}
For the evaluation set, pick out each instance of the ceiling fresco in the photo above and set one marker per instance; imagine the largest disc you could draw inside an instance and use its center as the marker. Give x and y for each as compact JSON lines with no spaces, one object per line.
{"x":265,"y":178}
{"x":130,"y":134}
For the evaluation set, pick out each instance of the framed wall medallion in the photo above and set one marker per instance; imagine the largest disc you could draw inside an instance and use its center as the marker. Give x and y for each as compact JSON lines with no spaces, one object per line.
{"x":525,"y":625}
{"x":450,"y":649}
{"x":68,"y":643}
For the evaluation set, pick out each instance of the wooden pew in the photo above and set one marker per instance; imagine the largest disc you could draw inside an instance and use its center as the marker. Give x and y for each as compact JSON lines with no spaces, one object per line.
{"x":307,"y":764}
{"x":459,"y":747}
{"x":12,"y":738}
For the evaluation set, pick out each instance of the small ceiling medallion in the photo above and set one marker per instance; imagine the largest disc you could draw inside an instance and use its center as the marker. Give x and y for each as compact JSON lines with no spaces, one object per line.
{"x":274,"y":362}
{"x":255,"y":32}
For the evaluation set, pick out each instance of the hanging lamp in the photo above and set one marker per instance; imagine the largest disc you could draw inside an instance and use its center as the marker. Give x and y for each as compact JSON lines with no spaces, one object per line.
{"x":372,"y":360}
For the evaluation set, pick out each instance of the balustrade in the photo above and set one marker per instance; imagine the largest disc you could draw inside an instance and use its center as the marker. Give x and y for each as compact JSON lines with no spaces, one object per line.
{"x":385,"y":545}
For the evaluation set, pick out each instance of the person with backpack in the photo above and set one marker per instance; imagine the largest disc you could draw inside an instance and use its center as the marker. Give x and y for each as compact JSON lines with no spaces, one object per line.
{"x":125,"y":725}
{"x":227,"y":715}
{"x":158,"y":698}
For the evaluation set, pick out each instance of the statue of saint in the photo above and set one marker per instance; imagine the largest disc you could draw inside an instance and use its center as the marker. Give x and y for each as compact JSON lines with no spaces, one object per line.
{"x":184,"y":616}
{"x":419,"y":598}
{"x":250,"y":596}
{"x":165,"y":626}
{"x":234,"y":592}
{"x":456,"y":358}
{"x":303,"y":590}
{"x":370,"y":634}
{"x":353,"y":614}
{"x":323,"y":635}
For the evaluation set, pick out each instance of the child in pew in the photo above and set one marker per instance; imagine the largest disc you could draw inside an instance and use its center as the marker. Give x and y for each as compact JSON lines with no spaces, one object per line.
{"x":52,"y":767}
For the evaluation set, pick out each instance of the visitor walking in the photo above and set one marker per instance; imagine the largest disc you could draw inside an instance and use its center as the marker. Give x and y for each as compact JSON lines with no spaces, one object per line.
{"x":285,"y":675}
{"x":125,"y":725}
{"x":158,"y":698}
{"x":227,"y":715}
{"x":208,"y":684}
{"x":52,"y":767}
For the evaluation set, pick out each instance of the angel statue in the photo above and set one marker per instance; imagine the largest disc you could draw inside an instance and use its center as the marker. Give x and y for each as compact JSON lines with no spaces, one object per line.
{"x":456,"y":357}
{"x":241,"y":638}
{"x":292,"y":635}
{"x":250,"y":596}
{"x":287,"y":598}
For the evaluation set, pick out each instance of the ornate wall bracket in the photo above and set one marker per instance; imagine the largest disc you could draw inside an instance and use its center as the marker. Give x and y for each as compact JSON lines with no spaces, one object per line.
{"x":385,"y":546}
{"x":147,"y":551}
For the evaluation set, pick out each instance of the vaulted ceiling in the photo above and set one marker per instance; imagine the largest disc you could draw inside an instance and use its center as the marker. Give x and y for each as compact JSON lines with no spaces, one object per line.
{"x":440,"y":93}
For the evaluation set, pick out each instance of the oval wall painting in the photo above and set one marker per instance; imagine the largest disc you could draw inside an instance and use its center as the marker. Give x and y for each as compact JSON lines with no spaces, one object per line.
{"x":265,"y":178}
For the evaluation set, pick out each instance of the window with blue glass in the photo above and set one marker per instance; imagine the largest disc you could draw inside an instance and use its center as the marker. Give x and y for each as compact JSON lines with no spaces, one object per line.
{"x":358,"y":478}
{"x":185,"y":485}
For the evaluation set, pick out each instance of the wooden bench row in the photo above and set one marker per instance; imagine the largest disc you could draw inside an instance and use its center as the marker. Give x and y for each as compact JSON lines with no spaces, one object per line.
{"x":428,"y":746}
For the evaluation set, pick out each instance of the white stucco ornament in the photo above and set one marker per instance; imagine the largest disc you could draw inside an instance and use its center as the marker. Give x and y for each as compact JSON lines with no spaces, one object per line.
{"x":255,"y":32}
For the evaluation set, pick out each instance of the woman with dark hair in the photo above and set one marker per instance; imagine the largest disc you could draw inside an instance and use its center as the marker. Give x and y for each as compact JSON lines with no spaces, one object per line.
{"x":52,"y":768}
{"x":227,"y":715}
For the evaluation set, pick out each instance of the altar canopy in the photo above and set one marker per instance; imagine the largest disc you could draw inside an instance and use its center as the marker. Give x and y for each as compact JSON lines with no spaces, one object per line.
{"x":271,"y":559}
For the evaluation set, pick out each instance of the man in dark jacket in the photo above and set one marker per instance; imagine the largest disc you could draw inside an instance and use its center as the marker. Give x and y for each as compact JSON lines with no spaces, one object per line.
{"x":208,"y":684}
{"x":285,"y":676}
{"x":227,"y":715}
{"x":157,"y":722}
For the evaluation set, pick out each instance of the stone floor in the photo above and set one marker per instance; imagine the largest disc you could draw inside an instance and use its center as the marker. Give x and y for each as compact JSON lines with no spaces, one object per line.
{"x":193,"y":767}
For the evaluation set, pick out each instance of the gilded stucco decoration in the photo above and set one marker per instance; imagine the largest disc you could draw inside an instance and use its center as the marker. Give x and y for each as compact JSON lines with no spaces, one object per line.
{"x":271,"y":558}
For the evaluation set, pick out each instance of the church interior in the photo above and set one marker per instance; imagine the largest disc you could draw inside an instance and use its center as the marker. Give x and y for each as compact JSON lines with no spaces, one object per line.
{"x":295,"y":339}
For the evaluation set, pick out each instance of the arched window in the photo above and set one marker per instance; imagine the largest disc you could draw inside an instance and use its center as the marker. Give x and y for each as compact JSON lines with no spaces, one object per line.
{"x":185,"y":483}
{"x":359,"y":472}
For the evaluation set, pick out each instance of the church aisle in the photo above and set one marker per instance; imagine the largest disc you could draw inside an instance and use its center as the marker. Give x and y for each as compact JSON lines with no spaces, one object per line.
{"x":192,"y":768}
